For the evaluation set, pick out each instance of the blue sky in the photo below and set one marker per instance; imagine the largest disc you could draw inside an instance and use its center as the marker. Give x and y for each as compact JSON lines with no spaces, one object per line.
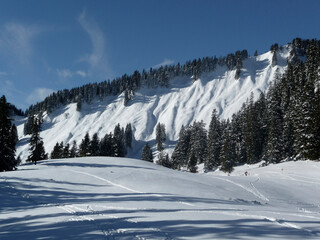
{"x":51,"y":45}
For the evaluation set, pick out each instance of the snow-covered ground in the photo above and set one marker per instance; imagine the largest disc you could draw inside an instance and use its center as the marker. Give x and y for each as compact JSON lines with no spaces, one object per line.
{"x":121,"y":198}
{"x":181,"y":104}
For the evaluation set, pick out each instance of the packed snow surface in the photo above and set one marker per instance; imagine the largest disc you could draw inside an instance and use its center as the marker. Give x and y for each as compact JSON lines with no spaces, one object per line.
{"x":122,"y":198}
{"x":182,"y":103}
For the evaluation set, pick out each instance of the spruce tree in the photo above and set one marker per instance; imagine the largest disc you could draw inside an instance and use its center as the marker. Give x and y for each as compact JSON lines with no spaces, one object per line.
{"x":192,"y":163}
{"x":180,"y":154}
{"x":66,"y":151}
{"x":163,"y":159}
{"x":214,"y":142}
{"x":147,"y":153}
{"x":128,"y":135}
{"x":198,"y":141}
{"x":7,"y":138}
{"x":74,"y":150}
{"x":94,"y":146}
{"x":160,"y":136}
{"x":228,"y":154}
{"x":119,"y":141}
{"x":56,"y":152}
{"x":274,"y":151}
{"x":107,"y":145}
{"x":84,"y":148}
{"x":37,"y":151}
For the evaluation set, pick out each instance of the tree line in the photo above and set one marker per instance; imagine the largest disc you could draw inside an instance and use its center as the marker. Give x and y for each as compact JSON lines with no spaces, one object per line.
{"x":128,"y":84}
{"x":112,"y":144}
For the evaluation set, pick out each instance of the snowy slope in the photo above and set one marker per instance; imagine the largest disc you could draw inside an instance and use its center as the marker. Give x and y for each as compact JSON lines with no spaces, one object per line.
{"x":121,"y":198}
{"x":181,"y":104}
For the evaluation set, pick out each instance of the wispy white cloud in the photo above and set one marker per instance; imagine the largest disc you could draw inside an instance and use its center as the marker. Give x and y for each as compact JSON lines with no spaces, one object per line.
{"x":97,"y":59}
{"x":64,"y":73}
{"x":164,"y":63}
{"x":67,"y":73}
{"x":3,"y":74}
{"x":16,"y":39}
{"x":38,"y":95}
{"x":81,"y":73}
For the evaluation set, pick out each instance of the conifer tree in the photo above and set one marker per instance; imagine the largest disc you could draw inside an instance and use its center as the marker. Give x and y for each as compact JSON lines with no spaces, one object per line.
{"x":274,"y":151}
{"x":214,"y":142}
{"x":128,"y":135}
{"x":84,"y":148}
{"x":119,"y":141}
{"x":147,"y":153}
{"x":163,"y":159}
{"x":7,"y":138}
{"x":192,"y":163}
{"x":66,"y":151}
{"x":180,"y":154}
{"x":94,"y":146}
{"x":228,"y":154}
{"x":160,"y":136}
{"x":198,"y":141}
{"x":107,"y":145}
{"x":74,"y":150}
{"x":37,"y":151}
{"x":57,"y":151}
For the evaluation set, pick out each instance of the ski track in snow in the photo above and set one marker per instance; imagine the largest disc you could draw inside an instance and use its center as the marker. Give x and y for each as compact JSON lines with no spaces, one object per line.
{"x":115,"y":232}
{"x":252,"y":190}
{"x":107,"y":181}
{"x":112,"y":226}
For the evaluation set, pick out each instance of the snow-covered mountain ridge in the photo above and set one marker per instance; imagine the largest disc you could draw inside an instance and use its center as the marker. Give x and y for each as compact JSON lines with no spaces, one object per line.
{"x":182,"y":103}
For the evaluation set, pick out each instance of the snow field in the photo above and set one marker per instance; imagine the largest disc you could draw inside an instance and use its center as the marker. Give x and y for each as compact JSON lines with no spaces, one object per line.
{"x":121,"y":198}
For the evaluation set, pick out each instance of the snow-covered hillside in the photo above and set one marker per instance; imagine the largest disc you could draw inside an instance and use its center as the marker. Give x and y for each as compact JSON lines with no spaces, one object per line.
{"x":121,"y":198}
{"x":181,"y":104}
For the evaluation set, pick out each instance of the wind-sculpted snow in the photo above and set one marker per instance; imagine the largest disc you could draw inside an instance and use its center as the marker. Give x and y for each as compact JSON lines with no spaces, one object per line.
{"x":182,"y":103}
{"x":121,"y":198}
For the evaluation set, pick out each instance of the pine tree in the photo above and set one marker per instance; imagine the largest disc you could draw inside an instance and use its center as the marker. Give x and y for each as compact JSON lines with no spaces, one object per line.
{"x":74,"y":150}
{"x":94,"y":146}
{"x":160,"y":136}
{"x":119,"y":141}
{"x":256,"y":53}
{"x":310,"y":104}
{"x":37,"y":151}
{"x":147,"y":153}
{"x":57,"y":151}
{"x":66,"y":151}
{"x":192,"y":163}
{"x":180,"y":154}
{"x":84,"y":148}
{"x":237,"y":128}
{"x":198,"y":141}
{"x":126,"y":97}
{"x":128,"y":135}
{"x":228,"y":154}
{"x":274,"y":151}
{"x":163,"y":159}
{"x":107,"y":145}
{"x":214,"y":142}
{"x":7,"y":138}
{"x":79,"y":105}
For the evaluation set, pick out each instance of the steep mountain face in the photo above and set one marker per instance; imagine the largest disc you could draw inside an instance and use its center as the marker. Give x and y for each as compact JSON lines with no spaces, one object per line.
{"x":182,"y":103}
